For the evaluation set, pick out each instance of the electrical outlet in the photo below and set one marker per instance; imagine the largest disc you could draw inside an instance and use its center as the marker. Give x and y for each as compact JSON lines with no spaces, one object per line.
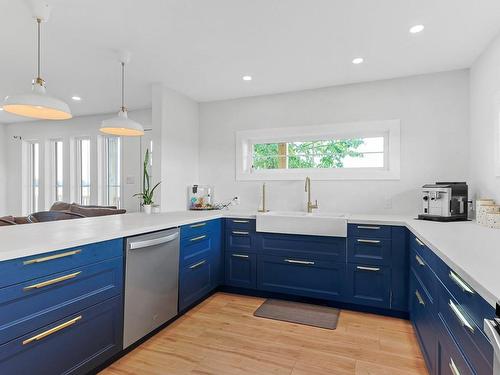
{"x":237,"y":201}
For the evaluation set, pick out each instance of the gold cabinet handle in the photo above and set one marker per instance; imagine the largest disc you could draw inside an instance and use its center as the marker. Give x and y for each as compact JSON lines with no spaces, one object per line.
{"x":198,"y":238}
{"x":368,"y":227}
{"x":299,"y":261}
{"x":419,"y":298}
{"x":197,"y":225}
{"x":461,"y":318}
{"x":241,"y":233}
{"x":199,"y":264}
{"x":241,"y":221}
{"x":369,"y":241}
{"x":453,"y":367}
{"x":52,"y":330}
{"x":240,"y":256}
{"x":419,"y":261}
{"x":419,"y":242}
{"x":363,"y":268}
{"x":462,"y":284}
{"x":53,"y":281}
{"x":52,"y":257}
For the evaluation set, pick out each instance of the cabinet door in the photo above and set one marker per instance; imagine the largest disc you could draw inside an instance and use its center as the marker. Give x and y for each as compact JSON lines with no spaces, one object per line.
{"x":196,"y":281}
{"x":301,"y":276}
{"x":422,"y":316}
{"x":73,"y":345}
{"x":450,"y":360}
{"x":369,"y":285}
{"x":241,"y":269}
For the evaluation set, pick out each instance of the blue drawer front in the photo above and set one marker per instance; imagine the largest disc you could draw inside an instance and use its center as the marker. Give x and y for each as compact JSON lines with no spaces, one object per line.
{"x":369,"y":230}
{"x":198,"y":247}
{"x":75,"y":349}
{"x":29,"y":268}
{"x":369,"y":285}
{"x":24,"y":310}
{"x":241,"y":224}
{"x":199,"y":228}
{"x":471,"y":302}
{"x":241,"y":240}
{"x":241,"y":269}
{"x":426,"y":254}
{"x":422,"y":316}
{"x":424,"y":273}
{"x":313,"y":247}
{"x":472,"y":341}
{"x":369,"y":251}
{"x":195,"y":282}
{"x":299,"y":276}
{"x":449,"y":355}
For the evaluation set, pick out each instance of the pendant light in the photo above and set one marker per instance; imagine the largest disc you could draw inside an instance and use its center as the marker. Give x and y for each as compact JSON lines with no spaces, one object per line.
{"x":121,"y":125}
{"x":38,"y":104}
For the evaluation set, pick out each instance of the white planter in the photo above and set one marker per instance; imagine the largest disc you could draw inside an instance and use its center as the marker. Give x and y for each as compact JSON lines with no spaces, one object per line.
{"x":147,"y":208}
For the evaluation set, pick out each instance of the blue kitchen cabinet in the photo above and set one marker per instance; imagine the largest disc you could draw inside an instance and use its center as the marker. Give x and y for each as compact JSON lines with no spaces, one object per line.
{"x":201,"y":262}
{"x":74,"y":345}
{"x":241,"y":269}
{"x":301,"y":276}
{"x":62,"y":312}
{"x":369,"y":285}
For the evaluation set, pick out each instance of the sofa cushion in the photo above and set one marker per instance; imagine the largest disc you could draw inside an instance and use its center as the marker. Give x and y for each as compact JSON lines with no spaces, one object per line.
{"x":7,"y":220}
{"x":92,"y":212}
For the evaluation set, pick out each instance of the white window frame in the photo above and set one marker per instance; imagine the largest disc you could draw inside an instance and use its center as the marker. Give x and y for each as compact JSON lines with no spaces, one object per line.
{"x":104,"y":166}
{"x":389,"y":129}
{"x":78,"y":168}
{"x":53,"y":169}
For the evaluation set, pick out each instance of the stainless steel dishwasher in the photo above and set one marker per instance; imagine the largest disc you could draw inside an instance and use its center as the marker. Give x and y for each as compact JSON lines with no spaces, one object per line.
{"x":151,"y":283}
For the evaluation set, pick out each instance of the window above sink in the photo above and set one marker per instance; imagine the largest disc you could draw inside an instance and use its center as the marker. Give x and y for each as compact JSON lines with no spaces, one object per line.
{"x":361,"y":150}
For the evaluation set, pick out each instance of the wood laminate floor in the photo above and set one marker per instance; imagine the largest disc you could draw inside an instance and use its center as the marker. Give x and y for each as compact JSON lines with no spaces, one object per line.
{"x":222,"y":337}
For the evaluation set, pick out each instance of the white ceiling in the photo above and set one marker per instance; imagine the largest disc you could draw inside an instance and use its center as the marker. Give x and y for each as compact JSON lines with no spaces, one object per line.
{"x":202,"y":48}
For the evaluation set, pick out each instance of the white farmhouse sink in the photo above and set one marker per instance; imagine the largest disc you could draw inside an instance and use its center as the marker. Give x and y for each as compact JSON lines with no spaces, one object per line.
{"x":294,"y":222}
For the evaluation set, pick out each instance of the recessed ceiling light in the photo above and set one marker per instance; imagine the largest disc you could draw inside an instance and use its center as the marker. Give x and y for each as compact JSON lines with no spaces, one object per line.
{"x":76,"y":98}
{"x":416,"y":29}
{"x":1,"y":109}
{"x":247,"y":78}
{"x":358,"y":60}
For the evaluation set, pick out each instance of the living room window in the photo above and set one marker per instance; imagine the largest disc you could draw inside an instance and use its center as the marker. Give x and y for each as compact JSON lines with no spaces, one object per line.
{"x":83,"y":170}
{"x":33,"y":176}
{"x":112,"y":151}
{"x":58,"y":165}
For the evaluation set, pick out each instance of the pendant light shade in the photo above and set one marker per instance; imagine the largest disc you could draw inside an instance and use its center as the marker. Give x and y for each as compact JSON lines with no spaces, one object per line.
{"x":37,"y":104}
{"x":121,"y":125}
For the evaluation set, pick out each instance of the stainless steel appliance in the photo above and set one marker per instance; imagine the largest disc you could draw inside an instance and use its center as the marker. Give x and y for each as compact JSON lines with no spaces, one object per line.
{"x":151,"y":283}
{"x":492,"y":330}
{"x":444,"y":201}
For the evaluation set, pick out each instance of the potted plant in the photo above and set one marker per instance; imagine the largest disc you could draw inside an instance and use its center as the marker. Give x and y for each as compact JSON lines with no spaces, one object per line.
{"x":147,"y":194}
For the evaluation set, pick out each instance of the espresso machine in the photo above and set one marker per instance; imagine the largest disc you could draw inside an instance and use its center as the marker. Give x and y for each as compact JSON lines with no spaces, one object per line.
{"x":444,"y":201}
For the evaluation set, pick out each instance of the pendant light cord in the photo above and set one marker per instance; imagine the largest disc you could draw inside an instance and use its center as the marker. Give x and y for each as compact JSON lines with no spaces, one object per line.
{"x":123,"y":87}
{"x":38,"y":21}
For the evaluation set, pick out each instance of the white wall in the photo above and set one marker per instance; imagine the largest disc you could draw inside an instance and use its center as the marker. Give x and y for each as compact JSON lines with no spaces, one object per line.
{"x":484,"y":122}
{"x":44,"y":131}
{"x":179,"y":118}
{"x":3,"y":170}
{"x":434,"y":115}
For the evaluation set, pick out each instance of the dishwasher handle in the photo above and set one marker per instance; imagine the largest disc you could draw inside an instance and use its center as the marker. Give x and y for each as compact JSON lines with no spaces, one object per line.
{"x":155,"y":241}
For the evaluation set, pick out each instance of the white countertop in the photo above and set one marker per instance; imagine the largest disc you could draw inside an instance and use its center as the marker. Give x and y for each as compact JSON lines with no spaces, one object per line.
{"x":471,"y":250}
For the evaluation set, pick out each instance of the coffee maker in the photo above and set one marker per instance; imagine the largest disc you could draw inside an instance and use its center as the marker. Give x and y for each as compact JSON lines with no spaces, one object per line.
{"x":444,"y":201}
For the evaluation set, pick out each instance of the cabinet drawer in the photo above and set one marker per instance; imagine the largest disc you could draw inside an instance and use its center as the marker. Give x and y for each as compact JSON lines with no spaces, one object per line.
{"x":424,"y":274}
{"x":301,"y":276}
{"x":29,"y":268}
{"x":240,"y":240}
{"x":471,"y":339}
{"x":369,"y":285}
{"x":240,"y":224}
{"x":199,"y":228}
{"x":241,"y":269}
{"x":369,"y":251}
{"x":425,"y":253}
{"x":297,"y":246}
{"x":422,"y":316}
{"x":73,"y":345}
{"x":369,"y":230}
{"x":196,"y":281}
{"x":450,"y":359}
{"x":196,"y":247}
{"x":471,"y":302}
{"x":27,"y":306}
